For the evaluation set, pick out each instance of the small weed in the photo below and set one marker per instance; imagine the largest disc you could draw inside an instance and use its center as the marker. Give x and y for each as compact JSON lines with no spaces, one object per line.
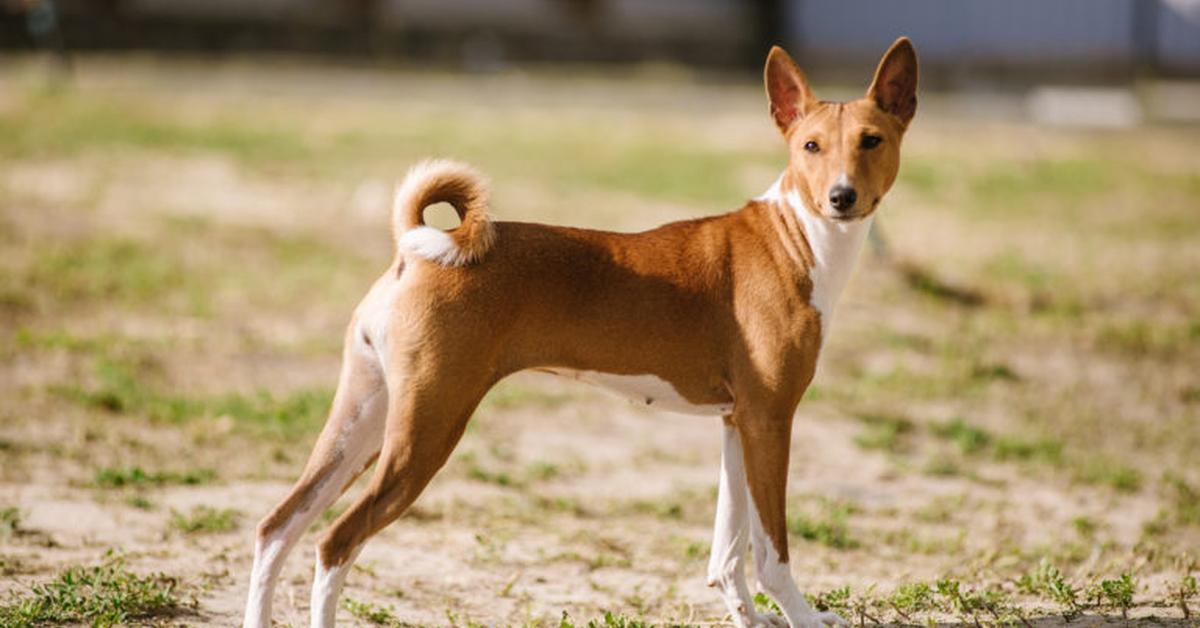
{"x":1107,"y":472}
{"x":837,"y":600}
{"x":993,"y":372}
{"x":1046,"y":451}
{"x":1116,"y":593}
{"x":831,"y":530}
{"x":912,"y":598}
{"x":205,"y":520}
{"x":1183,"y":591}
{"x":121,"y":477}
{"x":1085,"y":526}
{"x":942,"y":467}
{"x":373,"y":613}
{"x":940,"y":509}
{"x":608,"y":620}
{"x":1047,"y":580}
{"x":970,"y":439}
{"x":10,"y":521}
{"x":140,"y":502}
{"x":764,"y":604}
{"x":500,"y":478}
{"x":105,"y":595}
{"x":542,"y":470}
{"x":889,"y":433}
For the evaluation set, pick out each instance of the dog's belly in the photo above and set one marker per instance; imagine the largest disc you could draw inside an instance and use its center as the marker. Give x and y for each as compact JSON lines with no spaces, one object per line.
{"x":647,"y":390}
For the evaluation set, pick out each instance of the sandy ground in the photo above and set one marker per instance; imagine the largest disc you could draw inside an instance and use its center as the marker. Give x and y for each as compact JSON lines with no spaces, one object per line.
{"x":561,"y":498}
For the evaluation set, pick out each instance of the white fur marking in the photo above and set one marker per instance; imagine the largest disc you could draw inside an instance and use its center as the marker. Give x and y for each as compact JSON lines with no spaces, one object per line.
{"x":326,"y":586}
{"x":835,"y":247}
{"x":434,"y":245}
{"x":649,"y":390}
{"x":731,"y":532}
{"x":267,"y":561}
{"x":775,"y":579}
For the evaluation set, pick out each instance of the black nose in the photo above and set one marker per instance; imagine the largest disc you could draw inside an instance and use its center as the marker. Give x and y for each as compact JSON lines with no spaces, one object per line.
{"x":842,"y":197}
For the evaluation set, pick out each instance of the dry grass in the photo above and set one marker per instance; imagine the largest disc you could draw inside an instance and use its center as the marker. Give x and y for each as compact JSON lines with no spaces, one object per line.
{"x":1004,"y":428}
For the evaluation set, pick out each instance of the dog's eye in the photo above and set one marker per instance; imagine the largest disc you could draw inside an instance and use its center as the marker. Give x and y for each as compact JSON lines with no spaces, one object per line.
{"x":812,"y":147}
{"x":870,"y":141}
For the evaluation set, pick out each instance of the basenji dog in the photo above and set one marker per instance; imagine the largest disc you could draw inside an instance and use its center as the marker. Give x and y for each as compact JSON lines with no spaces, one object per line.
{"x":722,"y":316}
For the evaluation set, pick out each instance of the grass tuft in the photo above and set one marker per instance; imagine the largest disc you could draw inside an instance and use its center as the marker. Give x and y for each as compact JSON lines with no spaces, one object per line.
{"x":831,"y":530}
{"x":205,"y":520}
{"x":373,"y":613}
{"x":10,"y":521}
{"x":122,"y":477}
{"x":104,"y":595}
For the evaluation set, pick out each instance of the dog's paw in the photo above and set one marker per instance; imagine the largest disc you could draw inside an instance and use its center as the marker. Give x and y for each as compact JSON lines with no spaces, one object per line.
{"x":822,"y":620}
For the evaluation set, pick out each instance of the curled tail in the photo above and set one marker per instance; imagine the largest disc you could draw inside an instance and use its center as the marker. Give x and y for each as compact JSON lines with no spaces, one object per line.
{"x":442,"y":181}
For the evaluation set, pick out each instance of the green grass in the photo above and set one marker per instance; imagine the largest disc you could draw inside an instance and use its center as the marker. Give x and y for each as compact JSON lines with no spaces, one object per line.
{"x":373,"y":613}
{"x":611,"y":620}
{"x":888,"y":433}
{"x":112,"y":269}
{"x":65,"y":122}
{"x":10,"y":521}
{"x":830,"y":529}
{"x":1182,"y":498}
{"x":205,"y":520}
{"x":103,"y":595}
{"x":124,"y":388}
{"x":969,"y":438}
{"x":123,"y":477}
{"x":1033,"y":268}
{"x":1106,"y":471}
{"x":1062,"y":184}
{"x":511,"y":395}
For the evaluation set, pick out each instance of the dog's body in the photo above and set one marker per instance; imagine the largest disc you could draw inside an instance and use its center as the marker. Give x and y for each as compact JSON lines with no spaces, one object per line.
{"x":719,"y":316}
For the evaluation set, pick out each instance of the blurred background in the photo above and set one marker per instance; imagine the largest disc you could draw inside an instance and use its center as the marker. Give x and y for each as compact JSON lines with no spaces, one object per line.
{"x":193,"y":196}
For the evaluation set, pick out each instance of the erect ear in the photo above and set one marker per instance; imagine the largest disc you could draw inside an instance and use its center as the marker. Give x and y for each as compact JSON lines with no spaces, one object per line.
{"x":895,"y":86}
{"x":787,"y":89}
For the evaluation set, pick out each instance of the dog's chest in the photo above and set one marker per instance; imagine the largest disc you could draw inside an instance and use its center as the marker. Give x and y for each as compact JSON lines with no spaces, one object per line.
{"x":647,"y":390}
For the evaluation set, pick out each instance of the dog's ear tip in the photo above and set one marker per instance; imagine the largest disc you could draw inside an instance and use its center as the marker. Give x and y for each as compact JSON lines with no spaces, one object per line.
{"x":904,"y":44}
{"x":777,"y":53}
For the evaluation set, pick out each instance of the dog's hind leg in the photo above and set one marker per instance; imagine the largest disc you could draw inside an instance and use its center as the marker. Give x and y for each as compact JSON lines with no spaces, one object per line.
{"x":731,"y":535}
{"x":424,"y":424}
{"x":347,"y":445}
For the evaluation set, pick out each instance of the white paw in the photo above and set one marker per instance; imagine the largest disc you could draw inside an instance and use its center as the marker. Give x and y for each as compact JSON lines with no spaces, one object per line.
{"x":821,"y":620}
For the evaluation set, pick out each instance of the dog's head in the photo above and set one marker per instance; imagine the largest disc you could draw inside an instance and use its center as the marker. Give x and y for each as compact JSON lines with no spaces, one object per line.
{"x":844,"y":156}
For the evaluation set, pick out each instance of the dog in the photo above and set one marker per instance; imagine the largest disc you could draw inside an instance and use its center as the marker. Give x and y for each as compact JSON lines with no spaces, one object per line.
{"x":721,"y":316}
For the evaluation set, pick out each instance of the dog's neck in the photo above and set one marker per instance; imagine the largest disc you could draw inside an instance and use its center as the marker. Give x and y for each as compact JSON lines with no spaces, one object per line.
{"x":834,"y":245}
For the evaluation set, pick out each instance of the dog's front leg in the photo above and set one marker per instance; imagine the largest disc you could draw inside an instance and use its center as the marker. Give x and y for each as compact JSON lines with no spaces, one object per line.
{"x":766,"y":443}
{"x":731,"y":536}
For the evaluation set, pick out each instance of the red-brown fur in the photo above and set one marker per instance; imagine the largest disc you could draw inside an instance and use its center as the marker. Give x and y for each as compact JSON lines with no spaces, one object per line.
{"x":719,"y":307}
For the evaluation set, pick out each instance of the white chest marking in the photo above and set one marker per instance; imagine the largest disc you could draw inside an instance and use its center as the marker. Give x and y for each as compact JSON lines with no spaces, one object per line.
{"x":648,"y":390}
{"x":835,"y":247}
